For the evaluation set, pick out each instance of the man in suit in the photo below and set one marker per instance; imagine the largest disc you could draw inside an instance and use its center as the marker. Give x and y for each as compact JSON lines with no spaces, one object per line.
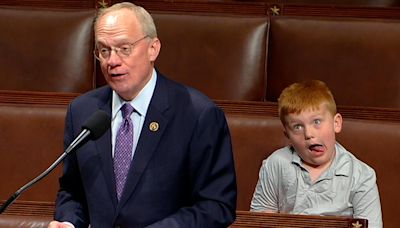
{"x":180,"y":171}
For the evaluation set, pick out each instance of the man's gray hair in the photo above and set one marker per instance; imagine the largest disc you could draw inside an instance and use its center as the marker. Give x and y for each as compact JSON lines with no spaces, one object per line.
{"x":144,"y":18}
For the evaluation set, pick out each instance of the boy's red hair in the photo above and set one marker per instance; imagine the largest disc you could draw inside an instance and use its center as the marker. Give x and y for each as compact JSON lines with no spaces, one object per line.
{"x":305,"y":95}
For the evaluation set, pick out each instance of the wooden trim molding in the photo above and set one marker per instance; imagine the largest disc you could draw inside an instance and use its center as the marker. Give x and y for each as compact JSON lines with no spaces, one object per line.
{"x":62,"y":4}
{"x":220,"y":7}
{"x":341,"y":11}
{"x":35,"y":98}
{"x":257,"y":219}
{"x":30,"y":208}
{"x":244,"y":219}
{"x":267,"y":7}
{"x":271,"y":109}
{"x":271,"y":8}
{"x":231,"y":107}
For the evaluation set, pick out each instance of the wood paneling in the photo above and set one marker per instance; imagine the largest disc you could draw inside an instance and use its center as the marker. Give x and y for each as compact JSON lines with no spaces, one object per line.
{"x":271,"y":109}
{"x":64,"y":4}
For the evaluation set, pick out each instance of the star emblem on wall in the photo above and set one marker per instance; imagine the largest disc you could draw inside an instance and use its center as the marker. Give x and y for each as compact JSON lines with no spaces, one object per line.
{"x":103,"y":4}
{"x":275,"y":10}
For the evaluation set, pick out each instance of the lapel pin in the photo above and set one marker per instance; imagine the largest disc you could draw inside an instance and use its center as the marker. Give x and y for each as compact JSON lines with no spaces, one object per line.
{"x":153,"y":126}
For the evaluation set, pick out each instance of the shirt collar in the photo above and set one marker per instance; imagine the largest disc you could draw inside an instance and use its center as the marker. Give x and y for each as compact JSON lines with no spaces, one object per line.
{"x":141,"y":102}
{"x":295,"y":157}
{"x":342,"y":161}
{"x":340,"y":165}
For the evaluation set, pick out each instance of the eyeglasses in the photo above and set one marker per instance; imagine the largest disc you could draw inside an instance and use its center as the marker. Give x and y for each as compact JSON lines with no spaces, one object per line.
{"x":123,"y":51}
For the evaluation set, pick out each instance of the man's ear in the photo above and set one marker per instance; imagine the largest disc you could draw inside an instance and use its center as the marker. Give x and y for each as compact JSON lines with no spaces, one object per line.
{"x":337,"y":122}
{"x":154,"y":49}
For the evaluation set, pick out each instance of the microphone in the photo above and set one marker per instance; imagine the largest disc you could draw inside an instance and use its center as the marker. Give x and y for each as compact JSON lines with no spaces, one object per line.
{"x":94,"y":127}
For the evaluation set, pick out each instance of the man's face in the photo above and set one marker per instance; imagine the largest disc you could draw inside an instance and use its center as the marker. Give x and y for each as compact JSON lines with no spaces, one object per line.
{"x":312,"y":134}
{"x":127,"y":75}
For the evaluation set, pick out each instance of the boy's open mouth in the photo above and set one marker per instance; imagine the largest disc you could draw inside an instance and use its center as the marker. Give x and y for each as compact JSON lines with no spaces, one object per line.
{"x":316,"y":148}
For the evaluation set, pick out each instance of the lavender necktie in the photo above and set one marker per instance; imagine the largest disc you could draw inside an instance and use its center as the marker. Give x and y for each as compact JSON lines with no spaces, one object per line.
{"x":123,"y":149}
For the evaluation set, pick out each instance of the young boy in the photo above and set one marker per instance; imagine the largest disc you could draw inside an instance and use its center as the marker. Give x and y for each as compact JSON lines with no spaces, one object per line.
{"x":315,"y":174}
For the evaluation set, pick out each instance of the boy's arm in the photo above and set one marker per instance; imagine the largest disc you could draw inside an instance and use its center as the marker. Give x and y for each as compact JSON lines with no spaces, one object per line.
{"x":366,"y":201}
{"x":265,"y":197}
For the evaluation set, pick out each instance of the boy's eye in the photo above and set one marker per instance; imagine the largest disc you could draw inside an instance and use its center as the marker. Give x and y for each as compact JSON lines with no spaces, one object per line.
{"x":317,"y":121}
{"x":297,"y":127}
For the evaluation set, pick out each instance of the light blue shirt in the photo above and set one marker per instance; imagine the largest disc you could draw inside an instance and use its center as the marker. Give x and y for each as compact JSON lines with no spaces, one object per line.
{"x":140,"y":103}
{"x":347,"y":188}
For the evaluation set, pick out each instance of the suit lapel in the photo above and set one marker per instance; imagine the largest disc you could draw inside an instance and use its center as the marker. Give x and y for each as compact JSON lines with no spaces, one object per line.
{"x":153,"y":128}
{"x":103,"y":145}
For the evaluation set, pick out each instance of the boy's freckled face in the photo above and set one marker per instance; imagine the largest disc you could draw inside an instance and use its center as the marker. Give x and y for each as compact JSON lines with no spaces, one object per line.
{"x":312,"y":134}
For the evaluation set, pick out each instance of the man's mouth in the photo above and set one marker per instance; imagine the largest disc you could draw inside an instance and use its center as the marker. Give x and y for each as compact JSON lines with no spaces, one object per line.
{"x":116,"y":75}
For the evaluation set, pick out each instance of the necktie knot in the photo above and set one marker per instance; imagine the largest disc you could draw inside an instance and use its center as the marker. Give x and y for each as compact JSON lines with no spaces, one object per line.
{"x":126,"y":110}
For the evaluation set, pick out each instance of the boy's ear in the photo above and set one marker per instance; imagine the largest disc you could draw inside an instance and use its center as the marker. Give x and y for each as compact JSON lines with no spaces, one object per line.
{"x":337,"y":121}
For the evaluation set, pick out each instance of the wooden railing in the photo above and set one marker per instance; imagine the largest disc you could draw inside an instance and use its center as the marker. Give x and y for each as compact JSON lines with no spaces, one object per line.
{"x":274,"y":220}
{"x":40,"y":211}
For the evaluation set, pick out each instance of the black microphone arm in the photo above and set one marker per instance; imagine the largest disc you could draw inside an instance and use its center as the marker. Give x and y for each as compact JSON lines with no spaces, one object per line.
{"x":93,"y":128}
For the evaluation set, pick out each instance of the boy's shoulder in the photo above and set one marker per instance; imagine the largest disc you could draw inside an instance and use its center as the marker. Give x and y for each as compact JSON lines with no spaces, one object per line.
{"x":282,"y":156}
{"x":348,"y":164}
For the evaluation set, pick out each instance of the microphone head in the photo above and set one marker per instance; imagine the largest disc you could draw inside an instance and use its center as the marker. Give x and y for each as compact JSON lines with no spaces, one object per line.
{"x":97,"y":124}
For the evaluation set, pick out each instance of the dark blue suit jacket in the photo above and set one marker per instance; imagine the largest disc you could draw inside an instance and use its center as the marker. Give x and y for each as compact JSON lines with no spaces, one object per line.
{"x":182,"y":175}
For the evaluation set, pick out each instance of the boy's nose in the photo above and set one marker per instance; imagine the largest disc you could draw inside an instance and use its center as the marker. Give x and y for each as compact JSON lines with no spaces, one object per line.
{"x":308,"y":133}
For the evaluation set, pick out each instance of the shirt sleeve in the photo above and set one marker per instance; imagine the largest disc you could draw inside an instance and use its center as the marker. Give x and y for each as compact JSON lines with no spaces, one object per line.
{"x":265,"y":198}
{"x":366,"y":201}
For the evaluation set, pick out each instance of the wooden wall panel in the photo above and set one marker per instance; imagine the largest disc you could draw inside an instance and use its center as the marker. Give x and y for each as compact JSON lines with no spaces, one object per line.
{"x":64,"y":4}
{"x":334,"y":8}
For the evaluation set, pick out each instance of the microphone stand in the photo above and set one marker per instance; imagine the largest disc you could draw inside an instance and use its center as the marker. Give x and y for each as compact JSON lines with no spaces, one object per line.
{"x":32,"y":182}
{"x":83,"y":135}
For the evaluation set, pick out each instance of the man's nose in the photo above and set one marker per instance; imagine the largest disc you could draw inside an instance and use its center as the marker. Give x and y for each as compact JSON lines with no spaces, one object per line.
{"x":114,"y":59}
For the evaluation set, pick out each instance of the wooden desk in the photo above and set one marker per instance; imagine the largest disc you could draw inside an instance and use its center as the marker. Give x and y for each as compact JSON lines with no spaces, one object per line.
{"x":274,"y":220}
{"x":39,"y":214}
